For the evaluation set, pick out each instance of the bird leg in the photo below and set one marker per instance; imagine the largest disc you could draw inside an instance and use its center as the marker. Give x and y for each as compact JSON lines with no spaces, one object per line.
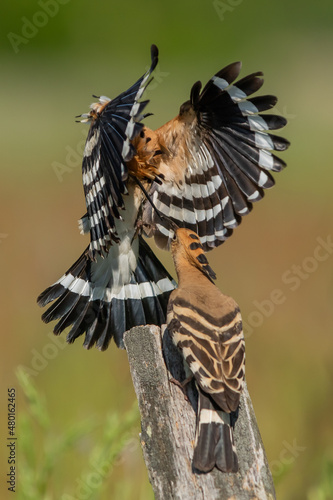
{"x":182,"y":385}
{"x":140,"y":226}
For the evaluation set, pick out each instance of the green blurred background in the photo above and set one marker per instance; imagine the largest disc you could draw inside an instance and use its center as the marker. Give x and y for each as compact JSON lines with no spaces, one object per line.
{"x":50,"y":68}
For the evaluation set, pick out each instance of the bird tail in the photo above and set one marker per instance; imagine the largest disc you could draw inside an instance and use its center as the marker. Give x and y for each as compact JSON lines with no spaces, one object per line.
{"x":106,"y":297}
{"x":214,"y":442}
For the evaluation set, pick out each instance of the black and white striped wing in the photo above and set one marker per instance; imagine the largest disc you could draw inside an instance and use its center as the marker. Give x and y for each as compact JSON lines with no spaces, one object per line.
{"x":213,"y":348}
{"x":115,"y":123}
{"x":228,"y":158}
{"x":101,"y":300}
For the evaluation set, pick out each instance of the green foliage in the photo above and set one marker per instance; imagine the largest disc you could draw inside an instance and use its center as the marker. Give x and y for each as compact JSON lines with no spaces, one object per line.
{"x":41,"y":455}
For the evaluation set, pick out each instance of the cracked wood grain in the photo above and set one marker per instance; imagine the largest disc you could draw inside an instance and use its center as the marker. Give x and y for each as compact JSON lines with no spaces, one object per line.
{"x":168,"y":428}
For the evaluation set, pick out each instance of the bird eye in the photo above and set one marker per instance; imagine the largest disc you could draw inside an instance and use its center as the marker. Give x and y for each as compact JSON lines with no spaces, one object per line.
{"x":174,"y":237}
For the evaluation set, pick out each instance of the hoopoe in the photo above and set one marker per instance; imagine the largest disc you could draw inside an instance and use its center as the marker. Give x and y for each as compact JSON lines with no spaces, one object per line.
{"x":206,"y":326}
{"x":203,"y":170}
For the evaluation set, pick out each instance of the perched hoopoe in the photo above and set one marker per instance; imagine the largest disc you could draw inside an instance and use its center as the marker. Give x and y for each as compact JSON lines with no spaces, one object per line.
{"x":206,"y":326}
{"x":203,"y":170}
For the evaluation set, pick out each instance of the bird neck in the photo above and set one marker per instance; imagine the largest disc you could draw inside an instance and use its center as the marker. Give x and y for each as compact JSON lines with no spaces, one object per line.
{"x":188,"y":274}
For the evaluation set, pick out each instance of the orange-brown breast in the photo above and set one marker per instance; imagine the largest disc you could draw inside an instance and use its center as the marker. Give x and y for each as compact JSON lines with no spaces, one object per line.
{"x":175,"y":137}
{"x":144,"y":164}
{"x":165,"y":151}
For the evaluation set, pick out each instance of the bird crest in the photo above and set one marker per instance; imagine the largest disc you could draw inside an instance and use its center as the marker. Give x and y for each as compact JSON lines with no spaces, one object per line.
{"x":195,"y":253}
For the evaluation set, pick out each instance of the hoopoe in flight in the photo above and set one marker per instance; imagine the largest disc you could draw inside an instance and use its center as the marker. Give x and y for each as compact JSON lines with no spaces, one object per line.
{"x":203,"y":170}
{"x":206,"y":326}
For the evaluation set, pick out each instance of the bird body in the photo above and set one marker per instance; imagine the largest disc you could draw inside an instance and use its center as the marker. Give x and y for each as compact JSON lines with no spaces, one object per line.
{"x":202,"y":170}
{"x":206,"y":326}
{"x":117,"y":282}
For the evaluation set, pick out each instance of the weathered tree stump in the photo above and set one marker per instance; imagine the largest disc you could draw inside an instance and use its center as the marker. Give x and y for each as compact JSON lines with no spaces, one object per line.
{"x":168,"y":428}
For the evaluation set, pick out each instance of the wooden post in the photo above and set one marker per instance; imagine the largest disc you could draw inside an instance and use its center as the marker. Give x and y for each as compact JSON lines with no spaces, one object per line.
{"x":168,"y":428}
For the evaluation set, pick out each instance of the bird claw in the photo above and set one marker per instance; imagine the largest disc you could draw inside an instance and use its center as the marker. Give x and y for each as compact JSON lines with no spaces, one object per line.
{"x":182,"y":385}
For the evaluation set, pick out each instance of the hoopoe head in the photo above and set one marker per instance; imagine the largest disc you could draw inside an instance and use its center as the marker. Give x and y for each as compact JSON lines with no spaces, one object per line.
{"x":95,"y":109}
{"x":186,"y":248}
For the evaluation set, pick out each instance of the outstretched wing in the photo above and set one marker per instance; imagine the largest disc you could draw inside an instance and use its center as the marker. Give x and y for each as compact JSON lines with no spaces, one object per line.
{"x":216,"y":159}
{"x":114,"y":124}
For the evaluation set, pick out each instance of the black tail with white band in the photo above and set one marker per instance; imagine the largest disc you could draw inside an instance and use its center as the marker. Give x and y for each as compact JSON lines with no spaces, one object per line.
{"x":202,"y":171}
{"x":102,"y":301}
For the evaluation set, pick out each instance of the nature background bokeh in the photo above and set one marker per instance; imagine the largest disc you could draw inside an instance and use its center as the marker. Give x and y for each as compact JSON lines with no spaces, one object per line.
{"x":83,"y":48}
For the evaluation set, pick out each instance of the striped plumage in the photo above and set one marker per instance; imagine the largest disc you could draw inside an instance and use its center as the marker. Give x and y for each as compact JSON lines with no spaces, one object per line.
{"x":203,"y":170}
{"x":105,"y":167}
{"x":206,"y":326}
{"x":117,"y":282}
{"x":216,"y":158}
{"x":107,"y":297}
